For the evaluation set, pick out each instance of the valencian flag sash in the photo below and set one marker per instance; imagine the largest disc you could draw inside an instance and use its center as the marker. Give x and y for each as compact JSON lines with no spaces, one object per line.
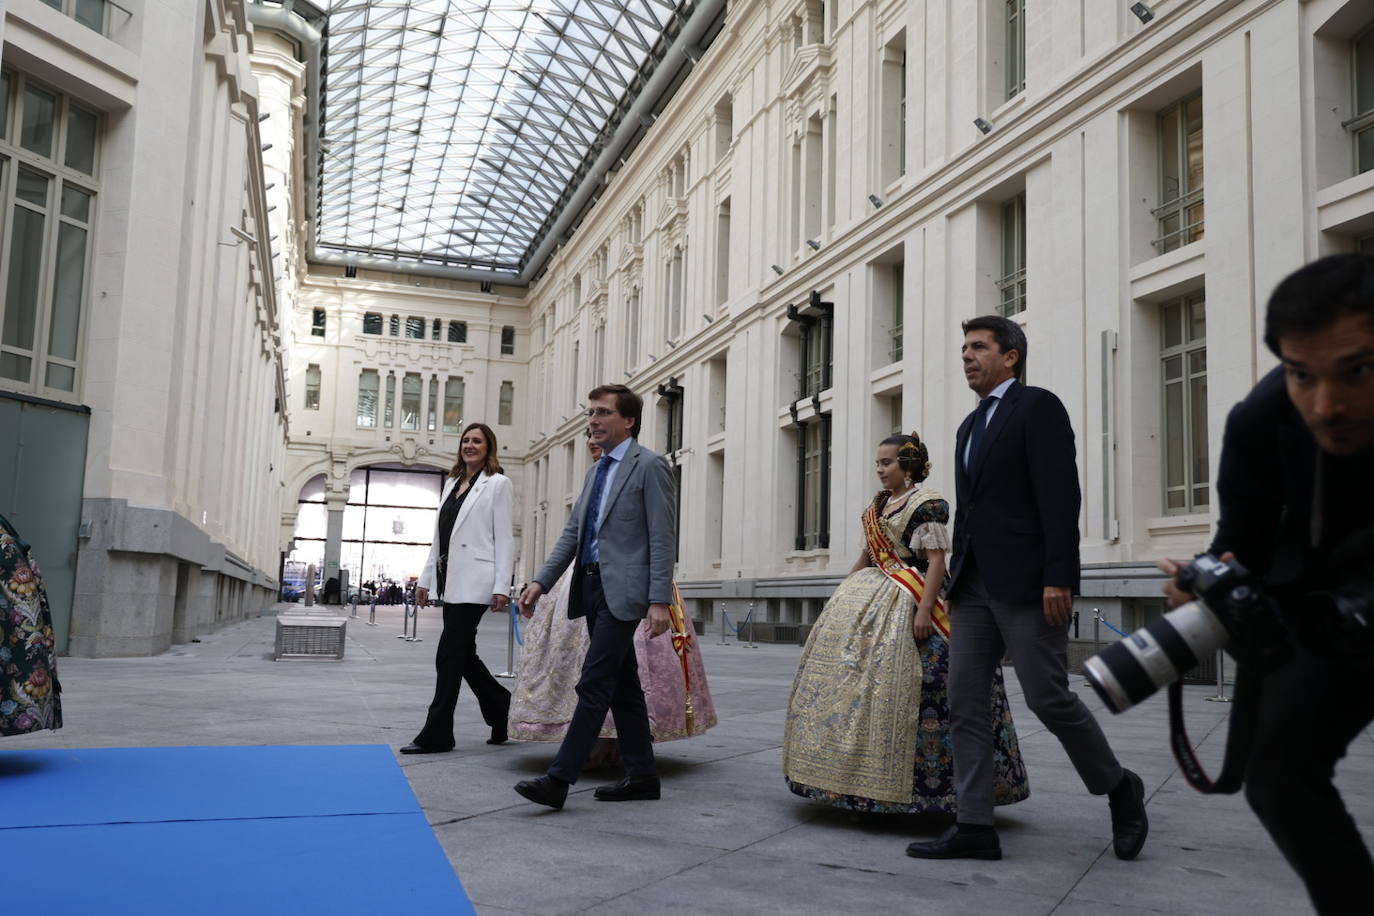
{"x":884,"y":555}
{"x":683,"y":634}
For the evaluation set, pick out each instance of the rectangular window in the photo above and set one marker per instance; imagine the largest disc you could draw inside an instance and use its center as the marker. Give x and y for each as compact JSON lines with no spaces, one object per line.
{"x":723,"y":253}
{"x":437,"y":329}
{"x":1012,"y":285}
{"x":1180,"y":210}
{"x":632,"y":330}
{"x":894,"y":330}
{"x":813,"y":484}
{"x":367,"y":398}
{"x":892,"y":89}
{"x":1183,"y":375}
{"x":505,"y":407}
{"x":317,"y":323}
{"x":1016,"y":47}
{"x":415,"y":328}
{"x":372,"y":323}
{"x":432,"y":413}
{"x":1361,"y":126}
{"x":508,"y":341}
{"x":312,"y":387}
{"x":816,"y":349}
{"x":47,"y":210}
{"x":410,"y":400}
{"x":395,"y":325}
{"x":454,"y":391}
{"x":90,"y":13}
{"x":390,"y":400}
{"x":457,"y":332}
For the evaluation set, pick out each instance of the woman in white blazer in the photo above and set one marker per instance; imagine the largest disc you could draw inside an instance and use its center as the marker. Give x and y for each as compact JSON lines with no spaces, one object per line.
{"x":468,"y":570}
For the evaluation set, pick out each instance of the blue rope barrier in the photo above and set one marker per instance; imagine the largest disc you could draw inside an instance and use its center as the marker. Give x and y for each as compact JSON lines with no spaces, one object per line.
{"x":515,"y":622}
{"x":733,"y":627}
{"x":1112,"y":628}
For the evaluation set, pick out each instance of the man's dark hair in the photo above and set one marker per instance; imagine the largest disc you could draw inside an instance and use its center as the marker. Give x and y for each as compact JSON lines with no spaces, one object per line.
{"x":627,"y":403}
{"x":1008,"y":335}
{"x":1314,"y":296}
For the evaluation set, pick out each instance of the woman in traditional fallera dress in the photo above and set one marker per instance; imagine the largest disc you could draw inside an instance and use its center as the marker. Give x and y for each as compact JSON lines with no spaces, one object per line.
{"x":670,"y":671}
{"x":30,"y":697}
{"x":868,"y":720}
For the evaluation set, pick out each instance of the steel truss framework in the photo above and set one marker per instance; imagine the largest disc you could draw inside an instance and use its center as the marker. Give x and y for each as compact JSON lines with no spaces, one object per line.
{"x":454,"y":131}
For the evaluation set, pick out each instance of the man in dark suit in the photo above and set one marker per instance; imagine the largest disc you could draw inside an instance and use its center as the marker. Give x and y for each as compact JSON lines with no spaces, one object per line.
{"x":1011,"y":587}
{"x":1296,"y":498}
{"x":622,"y":537}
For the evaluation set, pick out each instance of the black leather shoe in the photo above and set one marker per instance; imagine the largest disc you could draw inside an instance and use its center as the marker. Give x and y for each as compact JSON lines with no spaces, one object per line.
{"x":413,"y":748}
{"x":955,"y":845}
{"x":1130,"y":825}
{"x":631,"y":788}
{"x":498,"y":737}
{"x":544,"y":790}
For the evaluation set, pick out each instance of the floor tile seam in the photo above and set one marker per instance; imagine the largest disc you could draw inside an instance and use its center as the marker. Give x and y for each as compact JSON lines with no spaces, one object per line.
{"x":601,"y":829}
{"x":634,"y":890}
{"x":213,"y":820}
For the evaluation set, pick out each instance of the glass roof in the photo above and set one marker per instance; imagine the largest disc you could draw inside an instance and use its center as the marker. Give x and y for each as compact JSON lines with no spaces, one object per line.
{"x":453,"y":130}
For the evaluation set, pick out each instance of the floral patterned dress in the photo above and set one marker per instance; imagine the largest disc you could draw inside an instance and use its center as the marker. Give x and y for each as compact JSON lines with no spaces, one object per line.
{"x":868,"y":721}
{"x":29,"y":691}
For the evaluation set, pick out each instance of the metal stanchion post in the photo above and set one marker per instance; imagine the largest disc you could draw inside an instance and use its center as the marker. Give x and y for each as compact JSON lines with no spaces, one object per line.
{"x":749,"y":619}
{"x":723,"y":612}
{"x":510,"y":637}
{"x":372,"y":612}
{"x":353,"y":608}
{"x":415,"y":623}
{"x":1221,"y":696}
{"x":405,"y":621}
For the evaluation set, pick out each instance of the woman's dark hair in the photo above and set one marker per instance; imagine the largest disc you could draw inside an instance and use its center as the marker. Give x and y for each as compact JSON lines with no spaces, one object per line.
{"x":1007,"y":333}
{"x":1314,"y":296}
{"x":492,"y":466}
{"x":912,"y":455}
{"x":627,"y":403}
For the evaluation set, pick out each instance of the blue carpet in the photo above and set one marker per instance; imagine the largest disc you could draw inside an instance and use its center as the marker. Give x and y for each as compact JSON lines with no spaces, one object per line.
{"x":220,"y":830}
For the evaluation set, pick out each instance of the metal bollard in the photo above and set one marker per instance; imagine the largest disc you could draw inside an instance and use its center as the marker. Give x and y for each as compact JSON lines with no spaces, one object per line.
{"x":415,"y":624}
{"x":1221,"y":696}
{"x":372,"y":612}
{"x":353,"y":608}
{"x":723,"y":641}
{"x":749,"y":619}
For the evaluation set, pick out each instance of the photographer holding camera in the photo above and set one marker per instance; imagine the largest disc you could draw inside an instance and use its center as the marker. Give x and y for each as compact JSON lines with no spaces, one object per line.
{"x":1296,"y":494}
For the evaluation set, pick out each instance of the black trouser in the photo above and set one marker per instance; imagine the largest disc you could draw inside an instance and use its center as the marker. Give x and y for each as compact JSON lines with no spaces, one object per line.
{"x":610,"y":681}
{"x":456,"y":661}
{"x":1310,"y":710}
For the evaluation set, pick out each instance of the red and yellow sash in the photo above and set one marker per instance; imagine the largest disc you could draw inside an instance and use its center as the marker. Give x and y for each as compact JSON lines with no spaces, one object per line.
{"x":884,"y":555}
{"x":682,"y":633}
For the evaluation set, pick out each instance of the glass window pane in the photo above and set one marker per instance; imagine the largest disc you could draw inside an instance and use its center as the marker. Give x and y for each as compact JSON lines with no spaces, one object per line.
{"x":367,"y":398}
{"x":390,"y":400}
{"x":372,"y":323}
{"x":1169,"y":171}
{"x":80,"y":153}
{"x":1197,"y":396}
{"x":432,"y":406}
{"x":506,"y":406}
{"x":68,"y":284}
{"x":1364,"y":148}
{"x":91,"y":14}
{"x":1197,"y":320}
{"x":21,"y":291}
{"x":32,"y":188}
{"x":13,"y":366}
{"x":61,"y":377}
{"x":395,"y":325}
{"x":454,"y":390}
{"x":39,"y":110}
{"x":410,"y":401}
{"x":434,"y":334}
{"x":1174,"y":466}
{"x":1364,"y":72}
{"x":1173,"y":325}
{"x":76,"y":203}
{"x":4,"y":104}
{"x":415,"y":328}
{"x":457,"y":332}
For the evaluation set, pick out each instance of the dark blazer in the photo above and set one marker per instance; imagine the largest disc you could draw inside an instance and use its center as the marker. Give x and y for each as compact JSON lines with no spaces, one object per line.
{"x":637,"y":538}
{"x":1265,"y":484}
{"x":1018,"y":512}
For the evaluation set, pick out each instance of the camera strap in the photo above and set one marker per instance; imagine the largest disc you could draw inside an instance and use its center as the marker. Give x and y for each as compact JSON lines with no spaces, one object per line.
{"x":1238,"y":740}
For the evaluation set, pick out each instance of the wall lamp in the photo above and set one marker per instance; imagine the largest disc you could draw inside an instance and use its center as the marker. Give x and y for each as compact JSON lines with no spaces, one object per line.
{"x":776,"y":269}
{"x":813,"y":244}
{"x":1142,"y":12}
{"x":982,"y":124}
{"x":708,"y":318}
{"x":875,"y":200}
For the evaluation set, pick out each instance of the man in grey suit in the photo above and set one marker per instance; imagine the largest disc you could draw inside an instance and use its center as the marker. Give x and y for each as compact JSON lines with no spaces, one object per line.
{"x":622,"y":537}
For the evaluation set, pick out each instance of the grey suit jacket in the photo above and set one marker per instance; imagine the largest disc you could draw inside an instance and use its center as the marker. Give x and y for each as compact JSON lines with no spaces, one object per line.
{"x":637,"y":538}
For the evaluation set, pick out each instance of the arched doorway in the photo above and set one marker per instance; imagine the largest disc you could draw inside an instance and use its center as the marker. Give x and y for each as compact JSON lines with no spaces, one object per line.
{"x":384,"y":529}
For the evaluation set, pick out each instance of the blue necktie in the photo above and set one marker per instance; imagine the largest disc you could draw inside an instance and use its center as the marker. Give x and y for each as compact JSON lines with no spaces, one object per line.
{"x":975,"y":436}
{"x":590,"y":553}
